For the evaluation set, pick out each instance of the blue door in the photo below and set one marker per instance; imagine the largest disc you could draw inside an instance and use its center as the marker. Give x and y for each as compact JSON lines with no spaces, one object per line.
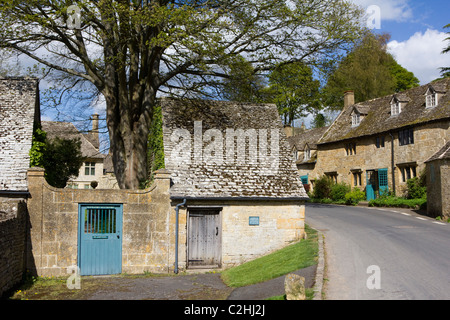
{"x":370,"y":185}
{"x":100,"y":239}
{"x":383,"y":181}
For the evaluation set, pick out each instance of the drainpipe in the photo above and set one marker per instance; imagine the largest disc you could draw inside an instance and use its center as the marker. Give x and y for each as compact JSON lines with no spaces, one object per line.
{"x":176,"y":233}
{"x":392,"y":162}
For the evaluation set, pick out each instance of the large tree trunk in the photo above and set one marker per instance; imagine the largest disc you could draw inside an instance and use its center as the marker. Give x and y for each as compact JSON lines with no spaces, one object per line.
{"x":128,"y":135}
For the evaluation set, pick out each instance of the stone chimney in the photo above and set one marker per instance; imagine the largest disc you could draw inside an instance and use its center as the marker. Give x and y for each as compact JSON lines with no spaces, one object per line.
{"x":349,"y":98}
{"x":94,"y":133}
{"x":288,"y":130}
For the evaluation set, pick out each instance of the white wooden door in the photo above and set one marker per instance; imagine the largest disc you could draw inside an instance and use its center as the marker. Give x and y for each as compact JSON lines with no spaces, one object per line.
{"x":204,"y":238}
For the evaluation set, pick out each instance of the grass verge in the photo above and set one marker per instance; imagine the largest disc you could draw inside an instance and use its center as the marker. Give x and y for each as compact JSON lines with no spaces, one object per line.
{"x":293,"y":257}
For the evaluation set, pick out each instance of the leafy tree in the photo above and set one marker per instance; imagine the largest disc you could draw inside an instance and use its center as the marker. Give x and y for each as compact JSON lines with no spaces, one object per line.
{"x":293,"y":89}
{"x":445,"y":71}
{"x":243,"y":84}
{"x":130,"y":51}
{"x":370,"y":71}
{"x":62,"y":160}
{"x":403,"y":78}
{"x":319,"y":121}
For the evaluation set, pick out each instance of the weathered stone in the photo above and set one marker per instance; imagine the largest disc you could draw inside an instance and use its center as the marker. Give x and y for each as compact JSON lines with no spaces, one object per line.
{"x":294,"y":286}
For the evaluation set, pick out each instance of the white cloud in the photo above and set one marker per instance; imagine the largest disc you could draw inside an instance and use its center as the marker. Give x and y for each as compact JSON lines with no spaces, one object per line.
{"x":421,"y":54}
{"x":392,"y":10}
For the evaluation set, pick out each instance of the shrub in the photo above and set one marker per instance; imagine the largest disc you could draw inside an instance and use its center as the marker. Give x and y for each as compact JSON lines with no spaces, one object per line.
{"x":339,"y":190}
{"x":355,"y":196}
{"x":322,"y":188}
{"x":416,"y":188}
{"x":391,"y":201}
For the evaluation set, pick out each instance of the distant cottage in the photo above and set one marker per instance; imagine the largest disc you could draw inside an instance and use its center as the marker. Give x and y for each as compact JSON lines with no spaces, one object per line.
{"x":377,"y":145}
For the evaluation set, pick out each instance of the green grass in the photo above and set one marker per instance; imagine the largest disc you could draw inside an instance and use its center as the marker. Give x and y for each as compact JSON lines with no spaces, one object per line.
{"x":293,"y":257}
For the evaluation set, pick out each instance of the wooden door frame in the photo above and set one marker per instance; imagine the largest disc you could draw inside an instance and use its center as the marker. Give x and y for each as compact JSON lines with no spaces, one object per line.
{"x":219,"y":209}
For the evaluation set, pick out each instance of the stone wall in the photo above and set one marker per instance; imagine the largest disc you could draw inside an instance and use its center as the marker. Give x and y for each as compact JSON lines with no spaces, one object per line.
{"x":428,"y":139}
{"x":53,"y":215}
{"x":12,"y":242}
{"x":438,"y":188}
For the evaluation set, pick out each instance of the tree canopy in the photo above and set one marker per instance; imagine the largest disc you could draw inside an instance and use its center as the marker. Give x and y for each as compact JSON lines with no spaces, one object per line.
{"x":132,"y":51}
{"x":368,"y":70}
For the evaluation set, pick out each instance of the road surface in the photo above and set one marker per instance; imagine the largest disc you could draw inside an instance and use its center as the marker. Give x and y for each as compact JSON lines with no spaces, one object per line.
{"x":388,"y":254}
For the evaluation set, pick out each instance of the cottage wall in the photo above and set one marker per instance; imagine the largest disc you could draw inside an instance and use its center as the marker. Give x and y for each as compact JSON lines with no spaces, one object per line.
{"x":428,"y":138}
{"x":438,"y":188}
{"x":280,"y":223}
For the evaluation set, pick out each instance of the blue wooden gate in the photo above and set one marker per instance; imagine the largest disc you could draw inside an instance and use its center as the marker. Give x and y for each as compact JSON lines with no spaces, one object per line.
{"x":100,"y":239}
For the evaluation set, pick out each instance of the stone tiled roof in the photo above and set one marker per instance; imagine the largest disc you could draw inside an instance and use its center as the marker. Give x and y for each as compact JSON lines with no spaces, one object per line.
{"x":379,"y":119}
{"x":443,"y":153}
{"x":19,"y":109}
{"x":209,"y":168}
{"x":308,"y":137}
{"x":67,"y":130}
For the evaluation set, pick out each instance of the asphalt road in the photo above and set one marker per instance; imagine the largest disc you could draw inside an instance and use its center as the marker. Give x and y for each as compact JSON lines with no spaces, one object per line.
{"x":382,"y":254}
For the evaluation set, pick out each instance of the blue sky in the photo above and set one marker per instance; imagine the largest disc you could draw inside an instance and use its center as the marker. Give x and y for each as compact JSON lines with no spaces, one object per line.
{"x":417,"y":33}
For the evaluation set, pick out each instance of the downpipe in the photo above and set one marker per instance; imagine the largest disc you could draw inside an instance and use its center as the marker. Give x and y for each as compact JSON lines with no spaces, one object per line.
{"x":177,"y":208}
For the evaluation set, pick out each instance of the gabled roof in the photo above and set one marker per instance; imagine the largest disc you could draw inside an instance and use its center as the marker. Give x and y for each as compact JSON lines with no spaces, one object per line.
{"x":66,"y":130}
{"x":308,"y":137}
{"x":225,"y":177}
{"x":379,"y":119}
{"x":443,"y":153}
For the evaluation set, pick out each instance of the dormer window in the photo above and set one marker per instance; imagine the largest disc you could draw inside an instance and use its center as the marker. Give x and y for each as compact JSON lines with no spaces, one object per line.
{"x":431,"y":98}
{"x":395,"y":107}
{"x":307,"y":154}
{"x":356,"y":119}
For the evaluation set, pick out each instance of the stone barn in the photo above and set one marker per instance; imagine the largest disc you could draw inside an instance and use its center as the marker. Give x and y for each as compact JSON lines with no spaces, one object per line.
{"x":235,"y":188}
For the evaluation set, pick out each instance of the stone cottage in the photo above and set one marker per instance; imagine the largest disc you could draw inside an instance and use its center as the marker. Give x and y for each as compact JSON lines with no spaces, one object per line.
{"x":19,"y":110}
{"x":438,"y":183}
{"x":377,"y":145}
{"x":96,"y":166}
{"x":304,"y":149}
{"x":235,"y":187}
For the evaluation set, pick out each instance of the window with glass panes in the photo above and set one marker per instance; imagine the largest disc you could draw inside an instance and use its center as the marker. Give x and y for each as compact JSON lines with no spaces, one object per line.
{"x":89,"y":168}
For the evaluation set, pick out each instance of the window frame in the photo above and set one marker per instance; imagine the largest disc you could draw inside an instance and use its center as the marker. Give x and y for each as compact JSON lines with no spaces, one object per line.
{"x":89,"y":167}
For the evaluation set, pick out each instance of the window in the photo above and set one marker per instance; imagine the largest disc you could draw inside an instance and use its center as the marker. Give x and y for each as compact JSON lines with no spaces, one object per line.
{"x":395,"y":107}
{"x":89,"y":168}
{"x":332,"y":176}
{"x":406,"y":137}
{"x":295,"y":155}
{"x":350,"y":148}
{"x":356,"y":119}
{"x":431,"y":100}
{"x":356,"y":178}
{"x":380,"y":142}
{"x":408,"y":172}
{"x":307,"y":154}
